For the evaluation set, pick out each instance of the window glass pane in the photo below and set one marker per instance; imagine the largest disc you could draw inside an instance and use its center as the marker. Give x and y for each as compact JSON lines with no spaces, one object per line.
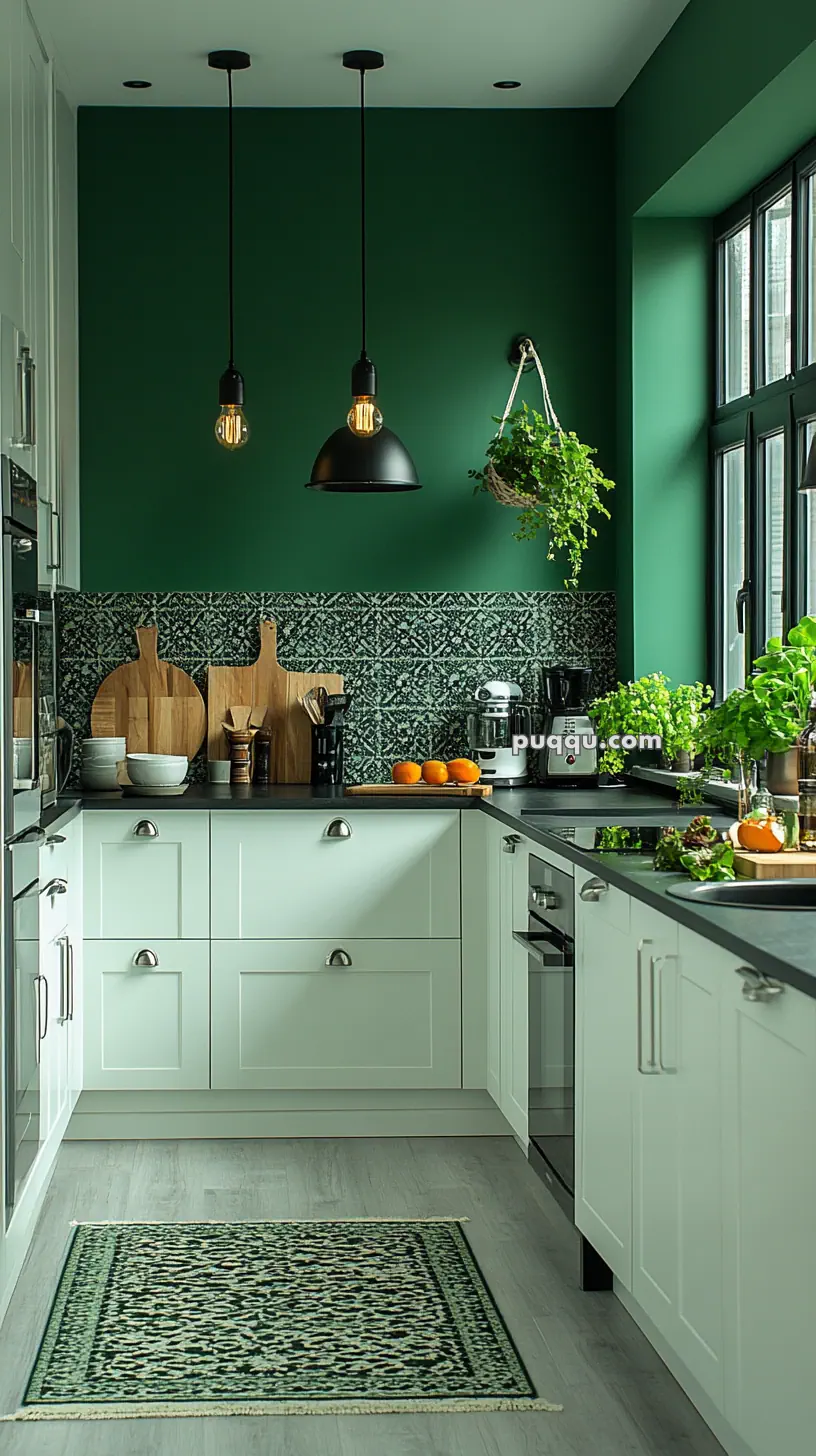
{"x":772,"y":467}
{"x":736,"y":305}
{"x":809,"y":500}
{"x":776,"y":233}
{"x":810,"y":267}
{"x":732,"y":486}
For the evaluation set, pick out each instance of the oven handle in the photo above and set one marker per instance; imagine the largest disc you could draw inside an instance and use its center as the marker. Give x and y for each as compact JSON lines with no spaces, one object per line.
{"x":559,"y":960}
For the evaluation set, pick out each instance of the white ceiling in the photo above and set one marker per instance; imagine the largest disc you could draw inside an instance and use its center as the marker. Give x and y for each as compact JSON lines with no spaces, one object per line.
{"x":438,"y":52}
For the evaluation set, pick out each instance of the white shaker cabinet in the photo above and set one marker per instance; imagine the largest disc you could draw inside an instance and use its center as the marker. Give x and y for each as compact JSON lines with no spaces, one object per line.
{"x":606,"y":1048}
{"x":769,"y":1163}
{"x":374,"y":873}
{"x":147,"y":1014}
{"x":336,"y":1013}
{"x":64,"y":493}
{"x":147,"y":875}
{"x":513,"y":871}
{"x":677,"y":1213}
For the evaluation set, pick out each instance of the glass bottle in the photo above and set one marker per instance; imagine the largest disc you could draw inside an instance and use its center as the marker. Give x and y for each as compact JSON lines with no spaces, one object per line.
{"x":807,"y":744}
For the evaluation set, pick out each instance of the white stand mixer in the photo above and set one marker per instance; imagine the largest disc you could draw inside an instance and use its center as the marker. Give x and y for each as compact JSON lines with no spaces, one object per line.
{"x":498,"y":715}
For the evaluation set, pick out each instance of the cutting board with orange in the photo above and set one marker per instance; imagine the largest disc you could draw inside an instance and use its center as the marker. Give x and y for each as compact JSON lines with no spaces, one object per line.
{"x":269,"y":686}
{"x":425,"y":791}
{"x":154,"y":705}
{"x":798,"y":864}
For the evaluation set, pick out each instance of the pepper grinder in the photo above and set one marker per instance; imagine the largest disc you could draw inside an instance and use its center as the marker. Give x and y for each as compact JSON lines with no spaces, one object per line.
{"x":240,"y":745}
{"x":263,"y":756}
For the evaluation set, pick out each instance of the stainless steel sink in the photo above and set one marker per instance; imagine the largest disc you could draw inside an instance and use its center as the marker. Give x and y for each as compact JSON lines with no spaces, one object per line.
{"x":794,"y":894}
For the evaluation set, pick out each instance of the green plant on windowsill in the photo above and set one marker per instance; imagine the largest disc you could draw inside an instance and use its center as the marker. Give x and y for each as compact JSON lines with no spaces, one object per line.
{"x":649,"y":707}
{"x":553,"y":478}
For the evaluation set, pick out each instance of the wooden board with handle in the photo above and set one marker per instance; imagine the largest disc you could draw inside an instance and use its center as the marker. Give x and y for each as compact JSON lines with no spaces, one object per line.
{"x":265,"y":684}
{"x":425,"y":791}
{"x":799,"y":864}
{"x":154,"y":705}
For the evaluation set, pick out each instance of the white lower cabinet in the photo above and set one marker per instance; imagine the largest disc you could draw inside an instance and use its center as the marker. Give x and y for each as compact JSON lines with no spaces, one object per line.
{"x":53,"y":1034}
{"x":769,"y":1165}
{"x":514,"y":997}
{"x":677,"y":1148}
{"x":373,"y":872}
{"x":332,"y":1013}
{"x":605,"y":1061}
{"x":146,"y":874}
{"x":147,"y":1014}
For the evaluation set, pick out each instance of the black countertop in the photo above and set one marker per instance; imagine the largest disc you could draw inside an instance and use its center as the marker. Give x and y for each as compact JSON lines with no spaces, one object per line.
{"x":781,"y":943}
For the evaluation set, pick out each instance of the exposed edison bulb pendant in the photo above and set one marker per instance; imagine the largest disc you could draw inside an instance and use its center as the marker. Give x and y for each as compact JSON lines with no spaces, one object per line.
{"x":365,"y":416}
{"x":231,"y":428}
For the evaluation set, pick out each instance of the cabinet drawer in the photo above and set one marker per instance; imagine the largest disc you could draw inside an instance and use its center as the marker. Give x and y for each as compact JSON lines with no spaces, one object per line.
{"x":282,"y":875}
{"x":282,"y":1017}
{"x":147,"y":1026}
{"x":145,"y":884}
{"x":614,"y":907}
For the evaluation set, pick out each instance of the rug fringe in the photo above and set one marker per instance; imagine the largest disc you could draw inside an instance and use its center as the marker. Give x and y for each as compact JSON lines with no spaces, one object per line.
{"x":182,"y":1222}
{"x":273,"y":1408}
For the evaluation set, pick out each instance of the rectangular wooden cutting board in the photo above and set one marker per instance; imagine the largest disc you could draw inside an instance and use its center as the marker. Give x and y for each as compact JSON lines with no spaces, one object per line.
{"x":425,"y":791}
{"x":786,"y":864}
{"x":265,"y":684}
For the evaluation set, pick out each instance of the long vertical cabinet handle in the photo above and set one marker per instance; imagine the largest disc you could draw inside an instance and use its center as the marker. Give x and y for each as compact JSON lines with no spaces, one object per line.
{"x":42,"y":1019}
{"x":70,"y":979}
{"x":652,"y":1068}
{"x":65,"y":994}
{"x":663,"y":1064}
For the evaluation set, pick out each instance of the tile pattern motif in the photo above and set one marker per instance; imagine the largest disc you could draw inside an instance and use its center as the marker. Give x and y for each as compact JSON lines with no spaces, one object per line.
{"x":411,"y":659}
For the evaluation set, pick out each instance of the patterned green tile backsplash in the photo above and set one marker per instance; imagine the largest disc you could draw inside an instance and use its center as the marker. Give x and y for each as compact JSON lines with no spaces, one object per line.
{"x":411,"y":660}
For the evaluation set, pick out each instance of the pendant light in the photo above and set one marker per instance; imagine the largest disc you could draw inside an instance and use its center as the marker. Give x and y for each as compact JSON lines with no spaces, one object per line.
{"x":231,"y":428}
{"x":363,"y":455}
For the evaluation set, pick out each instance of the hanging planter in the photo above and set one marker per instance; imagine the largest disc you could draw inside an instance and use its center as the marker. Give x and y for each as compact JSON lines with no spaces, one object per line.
{"x":545,"y":473}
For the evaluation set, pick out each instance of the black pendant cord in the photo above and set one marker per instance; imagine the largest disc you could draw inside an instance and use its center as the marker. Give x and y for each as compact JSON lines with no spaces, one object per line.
{"x":363,"y":207}
{"x":230,"y":248}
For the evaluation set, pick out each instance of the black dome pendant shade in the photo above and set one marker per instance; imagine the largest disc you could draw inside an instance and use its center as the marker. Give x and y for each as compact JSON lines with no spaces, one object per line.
{"x":352,"y":462}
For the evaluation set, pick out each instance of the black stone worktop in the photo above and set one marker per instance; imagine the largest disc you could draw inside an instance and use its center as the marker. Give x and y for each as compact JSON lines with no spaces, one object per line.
{"x":782,"y":943}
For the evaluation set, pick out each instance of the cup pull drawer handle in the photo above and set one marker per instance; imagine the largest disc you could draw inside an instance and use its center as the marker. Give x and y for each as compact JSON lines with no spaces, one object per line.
{"x":146,"y":829}
{"x":758,"y":987}
{"x":338,"y":829}
{"x":338,"y":957}
{"x":55,"y":887}
{"x":146,"y":958}
{"x":593,"y":889}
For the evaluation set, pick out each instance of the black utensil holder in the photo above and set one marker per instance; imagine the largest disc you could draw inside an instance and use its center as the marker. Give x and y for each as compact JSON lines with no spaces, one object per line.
{"x":327,"y":753}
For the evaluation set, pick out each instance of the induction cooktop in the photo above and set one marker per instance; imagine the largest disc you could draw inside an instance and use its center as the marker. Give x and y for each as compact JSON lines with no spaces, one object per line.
{"x":606,"y":836}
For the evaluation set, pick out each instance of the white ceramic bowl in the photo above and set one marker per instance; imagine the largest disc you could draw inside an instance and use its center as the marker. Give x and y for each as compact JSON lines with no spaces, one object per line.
{"x":103,"y":750}
{"x":100,"y":778}
{"x":156,"y":770}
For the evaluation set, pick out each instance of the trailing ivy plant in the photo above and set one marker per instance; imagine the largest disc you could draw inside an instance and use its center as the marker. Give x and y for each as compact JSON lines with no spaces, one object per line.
{"x":559,"y":476}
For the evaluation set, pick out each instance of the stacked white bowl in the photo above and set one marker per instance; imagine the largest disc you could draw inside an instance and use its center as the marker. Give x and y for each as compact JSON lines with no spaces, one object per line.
{"x":100,"y":760}
{"x":157,"y":770}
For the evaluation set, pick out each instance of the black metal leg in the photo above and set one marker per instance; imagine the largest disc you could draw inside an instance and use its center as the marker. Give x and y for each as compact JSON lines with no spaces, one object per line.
{"x":595,"y":1275}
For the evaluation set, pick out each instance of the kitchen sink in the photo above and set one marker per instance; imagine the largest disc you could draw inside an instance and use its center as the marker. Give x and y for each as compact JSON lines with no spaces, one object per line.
{"x":793,"y":894}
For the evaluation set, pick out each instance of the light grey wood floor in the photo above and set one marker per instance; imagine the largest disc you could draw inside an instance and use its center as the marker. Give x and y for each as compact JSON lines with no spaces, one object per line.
{"x":581,"y":1349}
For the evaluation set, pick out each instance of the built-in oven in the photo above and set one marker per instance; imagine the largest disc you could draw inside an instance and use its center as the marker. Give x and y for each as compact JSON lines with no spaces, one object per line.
{"x":549,"y":941}
{"x":29,"y":656}
{"x":26,"y":1001}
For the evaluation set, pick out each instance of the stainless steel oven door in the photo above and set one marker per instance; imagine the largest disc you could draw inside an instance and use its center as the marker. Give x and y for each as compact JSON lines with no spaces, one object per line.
{"x":551,"y":1105}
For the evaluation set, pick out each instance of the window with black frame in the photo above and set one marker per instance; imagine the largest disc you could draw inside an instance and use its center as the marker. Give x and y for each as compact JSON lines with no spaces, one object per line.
{"x":764,"y":538}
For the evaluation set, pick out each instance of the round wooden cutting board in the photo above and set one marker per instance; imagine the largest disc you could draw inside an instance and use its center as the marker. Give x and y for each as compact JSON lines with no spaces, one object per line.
{"x":154,"y":705}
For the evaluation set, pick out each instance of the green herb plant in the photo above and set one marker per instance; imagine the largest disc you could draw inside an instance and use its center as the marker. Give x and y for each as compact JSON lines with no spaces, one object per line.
{"x":558,"y":474}
{"x":649,"y":706}
{"x":698,"y":851}
{"x":690,"y":789}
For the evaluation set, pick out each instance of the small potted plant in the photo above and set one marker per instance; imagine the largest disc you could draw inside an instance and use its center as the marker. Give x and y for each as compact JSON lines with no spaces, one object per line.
{"x":782,"y":684}
{"x":649,"y":707}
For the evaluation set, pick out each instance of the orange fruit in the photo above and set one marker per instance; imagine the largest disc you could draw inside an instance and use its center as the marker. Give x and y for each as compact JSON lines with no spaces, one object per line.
{"x":463,"y":771}
{"x":761,"y":835}
{"x":434,"y":771}
{"x":406,"y":772}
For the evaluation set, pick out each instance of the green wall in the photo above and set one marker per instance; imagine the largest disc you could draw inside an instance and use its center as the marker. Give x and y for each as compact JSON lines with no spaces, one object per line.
{"x":726,"y":98}
{"x":482,"y":224}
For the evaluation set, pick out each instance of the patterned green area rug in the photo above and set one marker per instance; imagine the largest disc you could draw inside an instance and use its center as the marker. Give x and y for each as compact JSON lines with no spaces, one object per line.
{"x":289,"y":1318}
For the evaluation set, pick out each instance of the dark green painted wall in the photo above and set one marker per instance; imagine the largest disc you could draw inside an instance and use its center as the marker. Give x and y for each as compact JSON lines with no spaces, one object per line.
{"x":481,"y":225}
{"x":722,"y":101}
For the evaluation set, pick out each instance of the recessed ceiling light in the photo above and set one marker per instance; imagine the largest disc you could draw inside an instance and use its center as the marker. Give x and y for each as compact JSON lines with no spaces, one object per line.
{"x":137,"y":85}
{"x":507,"y":85}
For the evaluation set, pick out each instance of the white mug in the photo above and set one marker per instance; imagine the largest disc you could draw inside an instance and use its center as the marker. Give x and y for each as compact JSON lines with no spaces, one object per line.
{"x":219,"y":770}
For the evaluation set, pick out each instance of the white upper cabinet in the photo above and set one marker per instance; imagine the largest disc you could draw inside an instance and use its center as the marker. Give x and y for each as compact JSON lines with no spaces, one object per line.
{"x":769,"y":1159}
{"x":305,"y":873}
{"x":12,"y":227}
{"x":146,"y":875}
